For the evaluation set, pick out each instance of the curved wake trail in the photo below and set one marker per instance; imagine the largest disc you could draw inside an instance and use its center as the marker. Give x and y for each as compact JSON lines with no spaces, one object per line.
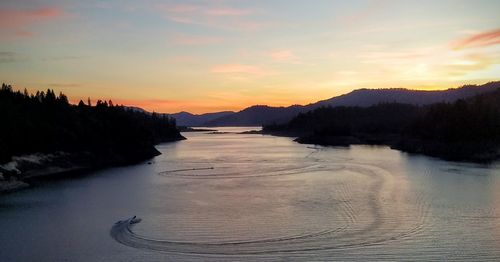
{"x":368,"y":220}
{"x":250,"y":173}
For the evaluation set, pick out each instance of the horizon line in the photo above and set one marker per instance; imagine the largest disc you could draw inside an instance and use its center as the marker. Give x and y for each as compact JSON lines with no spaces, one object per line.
{"x":76,"y":100}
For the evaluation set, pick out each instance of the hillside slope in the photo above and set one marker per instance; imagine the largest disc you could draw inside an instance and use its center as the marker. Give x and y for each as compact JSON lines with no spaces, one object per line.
{"x":187,"y":119}
{"x":264,"y":115}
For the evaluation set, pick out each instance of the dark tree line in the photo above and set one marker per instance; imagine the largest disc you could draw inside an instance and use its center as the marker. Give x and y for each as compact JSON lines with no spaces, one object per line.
{"x":474,"y":119}
{"x":346,"y":121}
{"x":468,"y":129}
{"x":46,"y":122}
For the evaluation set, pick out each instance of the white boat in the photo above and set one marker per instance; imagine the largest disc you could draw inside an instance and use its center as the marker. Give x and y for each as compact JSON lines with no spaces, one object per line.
{"x":135,"y":220}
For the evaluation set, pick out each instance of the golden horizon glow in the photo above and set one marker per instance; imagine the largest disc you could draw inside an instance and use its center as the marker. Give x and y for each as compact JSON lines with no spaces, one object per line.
{"x":202,"y":107}
{"x":208,"y":56}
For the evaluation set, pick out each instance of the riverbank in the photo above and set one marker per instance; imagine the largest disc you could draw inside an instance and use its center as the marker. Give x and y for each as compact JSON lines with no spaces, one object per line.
{"x":22,"y":170}
{"x":462,"y":151}
{"x":191,"y":129}
{"x":466,"y":130}
{"x":43,"y":134}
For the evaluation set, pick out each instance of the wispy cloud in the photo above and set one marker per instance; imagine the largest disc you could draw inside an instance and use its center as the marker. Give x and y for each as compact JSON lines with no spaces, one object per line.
{"x":281,"y":55}
{"x":478,"y":40}
{"x":64,"y":85}
{"x":18,"y":22}
{"x":365,"y":12}
{"x":10,"y":57}
{"x":429,"y":64}
{"x":207,"y":15}
{"x":240,"y":69}
{"x":190,"y":9}
{"x":61,"y":58}
{"x":181,"y":8}
{"x":183,"y":39}
{"x":470,"y":63}
{"x":228,"y":11}
{"x":184,"y":59}
{"x":284,"y":55}
{"x":394,"y":57}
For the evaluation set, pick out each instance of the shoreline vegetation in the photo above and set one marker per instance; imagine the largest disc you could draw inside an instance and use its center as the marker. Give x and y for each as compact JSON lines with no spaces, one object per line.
{"x":43,"y":134}
{"x":465,"y":130}
{"x":192,"y":129}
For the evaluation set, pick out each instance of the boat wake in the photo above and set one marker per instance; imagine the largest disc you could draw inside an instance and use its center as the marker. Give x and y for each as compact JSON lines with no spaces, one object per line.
{"x":373,"y":217}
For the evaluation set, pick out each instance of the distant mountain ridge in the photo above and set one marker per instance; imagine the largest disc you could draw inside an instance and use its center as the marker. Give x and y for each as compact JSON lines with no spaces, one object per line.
{"x":261,"y":115}
{"x":187,"y":119}
{"x":257,"y":115}
{"x":369,"y":97}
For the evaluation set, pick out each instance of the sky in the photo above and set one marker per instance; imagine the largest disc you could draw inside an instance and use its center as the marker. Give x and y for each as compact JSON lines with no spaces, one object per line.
{"x":214,"y":55}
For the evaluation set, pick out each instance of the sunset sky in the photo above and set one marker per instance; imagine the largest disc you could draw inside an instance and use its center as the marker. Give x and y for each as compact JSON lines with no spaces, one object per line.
{"x":214,"y":55}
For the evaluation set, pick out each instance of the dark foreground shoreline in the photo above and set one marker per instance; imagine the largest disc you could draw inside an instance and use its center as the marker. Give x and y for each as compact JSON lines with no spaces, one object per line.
{"x":44,"y":135}
{"x":26,"y":171}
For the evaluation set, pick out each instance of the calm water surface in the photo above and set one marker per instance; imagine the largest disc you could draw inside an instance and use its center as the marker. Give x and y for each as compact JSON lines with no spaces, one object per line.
{"x":250,"y":197}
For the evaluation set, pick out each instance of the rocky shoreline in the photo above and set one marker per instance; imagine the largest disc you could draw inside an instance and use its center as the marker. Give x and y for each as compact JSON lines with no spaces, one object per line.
{"x":18,"y":173}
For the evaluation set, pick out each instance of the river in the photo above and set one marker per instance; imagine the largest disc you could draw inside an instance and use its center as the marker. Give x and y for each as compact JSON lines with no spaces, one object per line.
{"x":248,"y":197}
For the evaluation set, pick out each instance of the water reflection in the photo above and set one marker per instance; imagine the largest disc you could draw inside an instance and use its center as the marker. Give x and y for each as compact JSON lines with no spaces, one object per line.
{"x":246,"y":197}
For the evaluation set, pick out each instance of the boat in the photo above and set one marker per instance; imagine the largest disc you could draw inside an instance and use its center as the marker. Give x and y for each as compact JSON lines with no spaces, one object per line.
{"x":135,"y":220}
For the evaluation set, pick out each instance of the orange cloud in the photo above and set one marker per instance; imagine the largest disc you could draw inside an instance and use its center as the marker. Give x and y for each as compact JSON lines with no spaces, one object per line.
{"x":239,"y":69}
{"x":19,"y":21}
{"x":478,"y":40}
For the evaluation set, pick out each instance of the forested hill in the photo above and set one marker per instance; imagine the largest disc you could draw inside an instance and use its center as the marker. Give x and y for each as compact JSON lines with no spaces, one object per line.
{"x":264,"y":115}
{"x":467,"y":129}
{"x":45,"y":123}
{"x":370,"y":97}
{"x":188,"y":119}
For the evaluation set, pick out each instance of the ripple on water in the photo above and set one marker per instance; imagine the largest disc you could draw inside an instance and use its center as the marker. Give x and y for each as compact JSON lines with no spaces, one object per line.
{"x":369,"y":217}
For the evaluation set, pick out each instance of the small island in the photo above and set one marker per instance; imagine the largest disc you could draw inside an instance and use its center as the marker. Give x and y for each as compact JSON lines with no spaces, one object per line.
{"x":43,"y":134}
{"x":464,"y":130}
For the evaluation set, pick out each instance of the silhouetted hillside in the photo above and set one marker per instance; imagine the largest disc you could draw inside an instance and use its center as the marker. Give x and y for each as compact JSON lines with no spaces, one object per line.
{"x":467,"y":129}
{"x":45,"y":123}
{"x":257,"y":116}
{"x":264,"y":115}
{"x":188,"y":119}
{"x":387,"y":118}
{"x":369,"y":97}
